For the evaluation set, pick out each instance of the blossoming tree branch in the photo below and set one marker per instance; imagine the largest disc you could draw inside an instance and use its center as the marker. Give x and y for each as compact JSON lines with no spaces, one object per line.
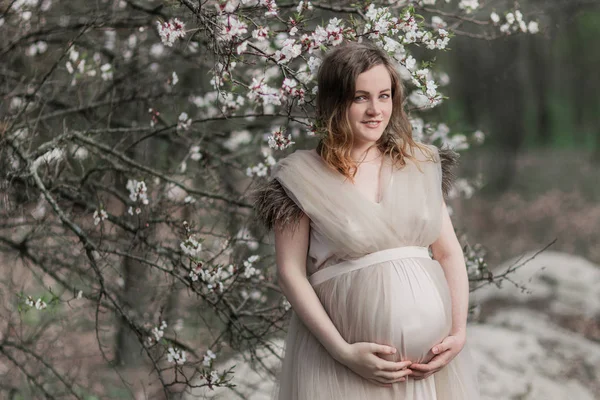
{"x":130,"y":134}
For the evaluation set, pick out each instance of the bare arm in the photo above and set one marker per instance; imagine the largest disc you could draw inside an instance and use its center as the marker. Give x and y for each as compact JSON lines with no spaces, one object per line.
{"x":291,"y":248}
{"x":447,"y":251}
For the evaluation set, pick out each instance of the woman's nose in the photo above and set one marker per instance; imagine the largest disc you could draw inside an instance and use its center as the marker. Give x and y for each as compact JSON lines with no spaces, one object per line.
{"x":373,"y":108}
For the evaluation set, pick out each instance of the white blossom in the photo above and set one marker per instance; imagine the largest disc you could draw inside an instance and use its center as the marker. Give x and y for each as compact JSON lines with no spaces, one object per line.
{"x":231,"y":28}
{"x":479,"y":137}
{"x":195,"y":153}
{"x":236,"y":139}
{"x":510,"y":18}
{"x":410,"y":63}
{"x":208,"y":357}
{"x":176,"y":356}
{"x":191,"y":246}
{"x":40,"y":304}
{"x":137,"y":191}
{"x":183,"y":122}
{"x":533,"y":27}
{"x":107,"y":72}
{"x":290,"y":50}
{"x":495,"y":17}
{"x":468,"y":5}
{"x":99,"y":216}
{"x":438,"y":22}
{"x":171,"y":31}
{"x":277,"y":140}
{"x":261,"y":33}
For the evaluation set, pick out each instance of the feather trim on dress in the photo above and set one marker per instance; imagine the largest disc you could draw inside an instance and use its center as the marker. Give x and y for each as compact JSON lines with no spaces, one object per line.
{"x":273,"y":206}
{"x":449,"y":160}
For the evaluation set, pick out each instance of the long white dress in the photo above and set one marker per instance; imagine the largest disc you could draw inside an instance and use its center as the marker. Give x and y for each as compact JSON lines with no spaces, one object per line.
{"x":370,"y":267}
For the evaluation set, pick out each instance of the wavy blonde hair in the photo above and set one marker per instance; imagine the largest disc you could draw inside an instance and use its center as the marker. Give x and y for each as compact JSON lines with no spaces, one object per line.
{"x":336,"y":81}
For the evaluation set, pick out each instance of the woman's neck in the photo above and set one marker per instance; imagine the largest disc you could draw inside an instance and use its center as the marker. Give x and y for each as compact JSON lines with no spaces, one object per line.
{"x":365,"y":153}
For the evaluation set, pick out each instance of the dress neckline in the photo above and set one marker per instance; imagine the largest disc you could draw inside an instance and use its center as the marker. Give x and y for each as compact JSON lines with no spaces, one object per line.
{"x":385,"y":181}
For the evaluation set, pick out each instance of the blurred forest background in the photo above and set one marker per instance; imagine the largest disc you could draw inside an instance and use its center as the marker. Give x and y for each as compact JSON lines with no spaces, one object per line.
{"x":537,"y":97}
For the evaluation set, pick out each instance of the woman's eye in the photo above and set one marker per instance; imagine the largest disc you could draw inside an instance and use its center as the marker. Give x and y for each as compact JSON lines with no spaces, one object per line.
{"x":385,"y":96}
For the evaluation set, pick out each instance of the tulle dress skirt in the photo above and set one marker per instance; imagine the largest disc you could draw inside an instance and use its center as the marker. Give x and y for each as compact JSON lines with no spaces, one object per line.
{"x":398,"y":297}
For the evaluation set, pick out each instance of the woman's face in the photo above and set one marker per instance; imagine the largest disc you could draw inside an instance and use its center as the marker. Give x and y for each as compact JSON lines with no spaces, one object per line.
{"x":372,"y":102}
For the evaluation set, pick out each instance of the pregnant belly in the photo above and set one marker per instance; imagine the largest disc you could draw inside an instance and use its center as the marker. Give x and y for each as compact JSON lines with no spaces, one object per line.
{"x":402,"y":303}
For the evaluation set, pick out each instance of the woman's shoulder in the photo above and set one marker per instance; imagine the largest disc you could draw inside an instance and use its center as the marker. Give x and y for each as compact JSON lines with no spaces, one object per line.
{"x":297,"y":158}
{"x":448,"y":160}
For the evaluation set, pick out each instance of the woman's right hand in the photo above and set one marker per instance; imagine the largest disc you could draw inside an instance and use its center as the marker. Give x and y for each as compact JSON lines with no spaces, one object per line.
{"x":363,"y":359}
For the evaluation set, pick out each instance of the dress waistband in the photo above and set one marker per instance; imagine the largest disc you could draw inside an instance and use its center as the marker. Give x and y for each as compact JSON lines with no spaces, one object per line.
{"x":373,"y":258}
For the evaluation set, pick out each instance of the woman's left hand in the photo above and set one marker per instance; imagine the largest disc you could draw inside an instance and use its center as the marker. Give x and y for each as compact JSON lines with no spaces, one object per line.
{"x":444,"y":353}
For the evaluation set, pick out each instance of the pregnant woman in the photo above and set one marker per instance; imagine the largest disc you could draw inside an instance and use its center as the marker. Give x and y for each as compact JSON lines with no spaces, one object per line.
{"x":374,"y":315}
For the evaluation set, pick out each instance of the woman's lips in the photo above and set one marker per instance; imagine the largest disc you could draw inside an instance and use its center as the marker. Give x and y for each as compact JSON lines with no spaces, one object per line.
{"x":372,"y":126}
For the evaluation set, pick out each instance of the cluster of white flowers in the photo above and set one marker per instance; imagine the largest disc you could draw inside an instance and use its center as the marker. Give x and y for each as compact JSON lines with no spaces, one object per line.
{"x":176,"y":356}
{"x":231,"y":28}
{"x":158,"y":332}
{"x":514,"y":22}
{"x":246,"y":236}
{"x":255,"y":295}
{"x":37,"y":48}
{"x":290,"y":88}
{"x":236,"y":139}
{"x":213,"y":278}
{"x":304,"y":5}
{"x":137,"y":191}
{"x":77,"y":66}
{"x":458,"y":142}
{"x":286,"y":304}
{"x":479,"y":137}
{"x":427,"y":94}
{"x":249,"y":270}
{"x":313,"y":64}
{"x":271,"y":7}
{"x":437,"y":43}
{"x":38,"y":304}
{"x":174,"y":78}
{"x":463,"y":186}
{"x":277,"y":140}
{"x":183,"y":122}
{"x":468,"y":5}
{"x":261,"y":33}
{"x":191,"y":246}
{"x":213,"y":379}
{"x":261,"y":168}
{"x":332,"y":34}
{"x":289,"y":50}
{"x":107,"y":72}
{"x":208,"y":357}
{"x":410,"y":63}
{"x":262,"y":93}
{"x":438,"y":23}
{"x":99,"y":216}
{"x":171,"y":31}
{"x":195,"y":153}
